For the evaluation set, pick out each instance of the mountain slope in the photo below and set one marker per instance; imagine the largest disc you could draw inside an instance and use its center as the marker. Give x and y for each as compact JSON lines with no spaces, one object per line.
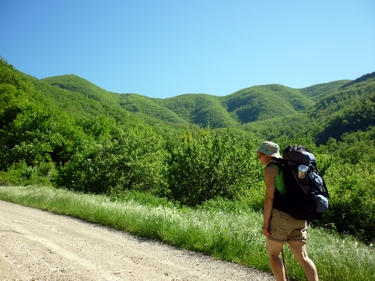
{"x":77,"y":84}
{"x":84,"y":104}
{"x":82,"y":98}
{"x":319,"y":91}
{"x":263,"y":102}
{"x":244,"y":106}
{"x":253,"y":104}
{"x":200,"y":109}
{"x":247,"y":105}
{"x":321,"y":111}
{"x":350,"y":109}
{"x":146,"y":107}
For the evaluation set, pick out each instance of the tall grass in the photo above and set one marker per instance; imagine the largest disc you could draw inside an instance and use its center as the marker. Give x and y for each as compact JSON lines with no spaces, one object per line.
{"x":229,"y":235}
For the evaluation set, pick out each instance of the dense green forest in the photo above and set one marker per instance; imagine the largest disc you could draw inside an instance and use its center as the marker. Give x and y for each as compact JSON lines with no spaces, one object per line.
{"x":65,"y":132}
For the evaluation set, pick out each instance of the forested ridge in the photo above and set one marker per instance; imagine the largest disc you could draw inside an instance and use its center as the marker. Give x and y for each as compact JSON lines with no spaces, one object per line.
{"x":66,"y":132}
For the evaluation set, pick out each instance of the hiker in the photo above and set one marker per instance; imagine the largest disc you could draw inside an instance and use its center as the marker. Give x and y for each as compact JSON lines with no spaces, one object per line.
{"x":279,"y":227}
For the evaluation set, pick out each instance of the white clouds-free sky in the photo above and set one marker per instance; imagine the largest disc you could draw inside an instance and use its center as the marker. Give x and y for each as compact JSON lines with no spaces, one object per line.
{"x":165,"y":48}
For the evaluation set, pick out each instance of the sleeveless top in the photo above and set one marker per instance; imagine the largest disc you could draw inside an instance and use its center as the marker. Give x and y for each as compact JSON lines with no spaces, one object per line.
{"x":279,"y":180}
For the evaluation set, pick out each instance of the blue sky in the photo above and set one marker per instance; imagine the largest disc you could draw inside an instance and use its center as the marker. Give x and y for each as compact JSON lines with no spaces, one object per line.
{"x":165,"y":48}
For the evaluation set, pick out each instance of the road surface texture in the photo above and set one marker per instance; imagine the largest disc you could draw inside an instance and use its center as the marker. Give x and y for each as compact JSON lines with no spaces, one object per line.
{"x":38,"y":245}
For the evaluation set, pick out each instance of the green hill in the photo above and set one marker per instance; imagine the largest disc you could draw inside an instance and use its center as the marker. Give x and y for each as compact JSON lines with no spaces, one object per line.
{"x":81,"y":98}
{"x":344,"y":108}
{"x":77,"y":84}
{"x":350,"y":109}
{"x":146,"y":107}
{"x":319,"y":91}
{"x":79,"y":102}
{"x":264,"y":102}
{"x":247,"y":105}
{"x":268,"y":111}
{"x":200,"y":109}
{"x":321,"y":111}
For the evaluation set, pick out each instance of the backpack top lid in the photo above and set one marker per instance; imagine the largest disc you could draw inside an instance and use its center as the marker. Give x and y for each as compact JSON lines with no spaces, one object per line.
{"x":299,"y":155}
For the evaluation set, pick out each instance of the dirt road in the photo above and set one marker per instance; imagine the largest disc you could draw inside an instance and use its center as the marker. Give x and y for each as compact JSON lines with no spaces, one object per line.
{"x":38,"y":245}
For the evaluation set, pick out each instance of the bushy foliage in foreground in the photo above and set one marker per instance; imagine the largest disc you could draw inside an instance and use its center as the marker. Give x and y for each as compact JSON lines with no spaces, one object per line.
{"x":351,"y":178}
{"x":129,"y":161}
{"x":210,"y":166}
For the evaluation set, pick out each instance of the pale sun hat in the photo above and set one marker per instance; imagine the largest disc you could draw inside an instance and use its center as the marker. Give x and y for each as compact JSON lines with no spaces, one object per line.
{"x":270,"y":148}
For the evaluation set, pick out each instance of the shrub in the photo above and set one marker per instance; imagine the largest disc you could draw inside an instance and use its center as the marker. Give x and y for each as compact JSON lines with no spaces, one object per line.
{"x":352,"y":205}
{"x":22,"y":174}
{"x":210,"y":166}
{"x":133,"y":160}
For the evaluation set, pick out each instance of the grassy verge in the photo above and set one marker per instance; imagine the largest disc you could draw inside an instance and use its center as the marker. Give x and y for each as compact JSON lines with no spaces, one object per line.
{"x":233,"y":236}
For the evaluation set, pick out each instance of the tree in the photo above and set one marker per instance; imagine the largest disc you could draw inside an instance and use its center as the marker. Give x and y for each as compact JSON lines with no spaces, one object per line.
{"x":130,"y":160}
{"x":210,"y":166}
{"x":29,"y":133}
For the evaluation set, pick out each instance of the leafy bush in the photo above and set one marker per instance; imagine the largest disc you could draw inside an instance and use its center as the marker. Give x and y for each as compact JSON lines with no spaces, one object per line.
{"x":210,"y":166}
{"x":132,"y":160}
{"x":352,"y":205}
{"x":22,"y":174}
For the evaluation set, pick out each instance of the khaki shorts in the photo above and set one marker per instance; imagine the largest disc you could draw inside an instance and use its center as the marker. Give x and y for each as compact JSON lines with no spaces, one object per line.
{"x":283,"y":227}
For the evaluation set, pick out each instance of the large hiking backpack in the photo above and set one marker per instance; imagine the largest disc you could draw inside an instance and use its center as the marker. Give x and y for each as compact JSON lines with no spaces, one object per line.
{"x":307,"y":194}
